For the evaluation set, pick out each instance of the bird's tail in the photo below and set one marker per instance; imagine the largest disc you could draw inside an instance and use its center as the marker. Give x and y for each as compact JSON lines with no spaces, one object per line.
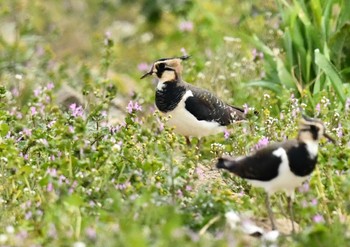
{"x":227,"y":163}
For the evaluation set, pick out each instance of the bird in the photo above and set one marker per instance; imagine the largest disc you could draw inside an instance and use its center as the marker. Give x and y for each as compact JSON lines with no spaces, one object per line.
{"x":195,"y":112}
{"x":281,"y":166}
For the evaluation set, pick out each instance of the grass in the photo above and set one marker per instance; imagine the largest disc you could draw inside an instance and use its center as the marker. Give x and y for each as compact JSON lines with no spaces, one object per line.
{"x":106,"y":171}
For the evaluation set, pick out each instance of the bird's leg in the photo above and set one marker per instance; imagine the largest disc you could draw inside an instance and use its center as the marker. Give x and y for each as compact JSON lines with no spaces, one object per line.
{"x":269,"y":211}
{"x":188,"y":141}
{"x":291,"y":212}
{"x":199,"y":143}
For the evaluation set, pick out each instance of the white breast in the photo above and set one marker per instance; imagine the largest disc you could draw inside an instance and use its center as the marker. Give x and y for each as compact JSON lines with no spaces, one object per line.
{"x":186,"y":124}
{"x":285,"y":181}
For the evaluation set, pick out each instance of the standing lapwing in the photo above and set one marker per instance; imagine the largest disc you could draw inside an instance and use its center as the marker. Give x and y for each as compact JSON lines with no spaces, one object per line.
{"x":281,"y":166}
{"x":195,"y":112}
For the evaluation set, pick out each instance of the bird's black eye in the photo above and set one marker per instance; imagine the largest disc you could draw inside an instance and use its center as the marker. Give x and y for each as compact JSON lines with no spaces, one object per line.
{"x":160,"y":67}
{"x":314,"y":128}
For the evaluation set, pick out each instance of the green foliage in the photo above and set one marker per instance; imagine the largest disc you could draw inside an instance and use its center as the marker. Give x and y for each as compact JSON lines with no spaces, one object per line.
{"x":309,"y":33}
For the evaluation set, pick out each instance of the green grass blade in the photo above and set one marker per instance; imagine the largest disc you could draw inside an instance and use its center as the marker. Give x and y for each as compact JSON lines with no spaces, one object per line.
{"x":265,"y":84}
{"x":332,"y":73}
{"x":284,"y":75}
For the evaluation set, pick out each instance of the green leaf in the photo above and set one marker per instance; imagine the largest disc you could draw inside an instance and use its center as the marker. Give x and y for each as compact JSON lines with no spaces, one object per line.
{"x":265,"y":84}
{"x":332,"y":73}
{"x":74,"y":200}
{"x":4,"y":129}
{"x":284,"y":76}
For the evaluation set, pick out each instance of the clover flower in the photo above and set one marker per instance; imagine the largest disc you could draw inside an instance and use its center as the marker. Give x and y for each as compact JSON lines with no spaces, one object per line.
{"x":318,"y":218}
{"x":226,"y":134}
{"x":186,"y":26}
{"x":263,"y":142}
{"x":76,"y":111}
{"x":133,"y":106}
{"x":143,"y":67}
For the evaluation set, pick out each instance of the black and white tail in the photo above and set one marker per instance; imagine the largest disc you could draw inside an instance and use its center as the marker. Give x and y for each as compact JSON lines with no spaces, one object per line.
{"x":227,"y":163}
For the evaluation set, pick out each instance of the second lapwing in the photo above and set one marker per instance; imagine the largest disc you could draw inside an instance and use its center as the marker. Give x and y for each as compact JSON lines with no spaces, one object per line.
{"x":195,"y":112}
{"x":281,"y":166}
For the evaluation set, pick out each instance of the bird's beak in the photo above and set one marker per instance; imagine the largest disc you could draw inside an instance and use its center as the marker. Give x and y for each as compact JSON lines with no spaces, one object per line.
{"x":147,"y":74}
{"x":185,"y":57}
{"x":329,"y":138}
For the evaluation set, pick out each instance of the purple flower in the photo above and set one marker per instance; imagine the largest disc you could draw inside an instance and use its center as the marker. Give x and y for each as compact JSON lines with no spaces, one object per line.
{"x":257,"y":54}
{"x":61,"y":179}
{"x":90,"y":233}
{"x":340,"y":130}
{"x":50,"y":86}
{"x":186,"y":26}
{"x":318,"y":218}
{"x":133,"y":106}
{"x":188,"y":188}
{"x":33,"y":110}
{"x":137,"y":107}
{"x":52,"y":172}
{"x":143,"y":67}
{"x":122,"y":186}
{"x":304,"y":188}
{"x":76,"y":111}
{"x":15,"y":92}
{"x":245,"y":108}
{"x":28,"y":215}
{"x":200,"y":173}
{"x":52,"y":233}
{"x":160,"y":125}
{"x":318,"y":108}
{"x":23,"y":234}
{"x":104,"y":114}
{"x":37,"y":92}
{"x":27,"y":132}
{"x":130,"y":107}
{"x":49,"y":125}
{"x":263,"y":142}
{"x":107,"y":39}
{"x":226,"y":134}
{"x":71,"y":129}
{"x":43,"y":141}
{"x":179,"y":193}
{"x":347,"y":104}
{"x":49,"y":187}
{"x":314,"y":202}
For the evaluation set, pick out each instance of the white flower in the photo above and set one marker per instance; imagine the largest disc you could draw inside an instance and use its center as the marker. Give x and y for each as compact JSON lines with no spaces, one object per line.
{"x":271,"y":236}
{"x":3,"y":238}
{"x":10,"y":229}
{"x":79,"y":244}
{"x":232,"y":219}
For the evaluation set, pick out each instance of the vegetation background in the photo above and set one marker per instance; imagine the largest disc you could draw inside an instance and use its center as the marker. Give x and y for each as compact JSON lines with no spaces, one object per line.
{"x":86,"y":160}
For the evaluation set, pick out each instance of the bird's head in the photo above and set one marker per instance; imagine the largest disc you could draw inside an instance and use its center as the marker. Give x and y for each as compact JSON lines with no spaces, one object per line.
{"x":312,"y":129}
{"x":167,"y":68}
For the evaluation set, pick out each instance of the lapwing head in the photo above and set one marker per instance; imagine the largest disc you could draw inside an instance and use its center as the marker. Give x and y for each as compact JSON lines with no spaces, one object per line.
{"x":169,"y":68}
{"x":312,"y":129}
